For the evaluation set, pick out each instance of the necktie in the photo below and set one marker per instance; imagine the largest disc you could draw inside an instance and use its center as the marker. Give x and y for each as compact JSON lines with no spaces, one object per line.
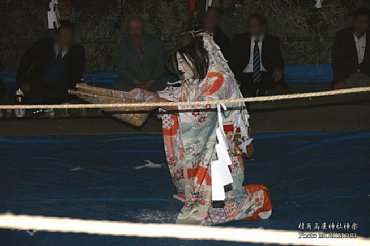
{"x":59,"y":56}
{"x":256,"y":63}
{"x":140,"y":51}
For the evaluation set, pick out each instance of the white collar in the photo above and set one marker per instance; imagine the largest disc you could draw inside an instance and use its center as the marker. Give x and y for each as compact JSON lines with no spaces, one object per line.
{"x":260,"y":38}
{"x":361,"y":38}
{"x":57,"y":49}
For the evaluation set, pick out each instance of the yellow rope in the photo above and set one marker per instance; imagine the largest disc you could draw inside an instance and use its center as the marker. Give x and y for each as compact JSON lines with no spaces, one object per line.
{"x":195,"y":103}
{"x":184,"y":232}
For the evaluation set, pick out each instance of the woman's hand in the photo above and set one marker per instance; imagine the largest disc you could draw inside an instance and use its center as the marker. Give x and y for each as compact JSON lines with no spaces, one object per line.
{"x":143,"y":95}
{"x":149,"y":96}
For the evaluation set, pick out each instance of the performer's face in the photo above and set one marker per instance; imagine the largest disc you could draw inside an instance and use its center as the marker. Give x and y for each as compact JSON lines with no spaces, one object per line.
{"x":184,"y":66}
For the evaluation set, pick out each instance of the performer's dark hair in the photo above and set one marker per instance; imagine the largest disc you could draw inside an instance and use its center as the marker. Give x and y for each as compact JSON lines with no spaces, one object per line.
{"x":66,"y":24}
{"x":191,"y":49}
{"x":260,"y":18}
{"x":361,"y":12}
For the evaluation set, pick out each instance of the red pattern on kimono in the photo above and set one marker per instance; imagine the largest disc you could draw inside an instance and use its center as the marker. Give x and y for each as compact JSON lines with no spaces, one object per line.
{"x":190,"y":140}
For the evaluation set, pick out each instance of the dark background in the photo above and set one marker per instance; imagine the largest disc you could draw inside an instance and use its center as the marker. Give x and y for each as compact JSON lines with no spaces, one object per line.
{"x":306,"y":32}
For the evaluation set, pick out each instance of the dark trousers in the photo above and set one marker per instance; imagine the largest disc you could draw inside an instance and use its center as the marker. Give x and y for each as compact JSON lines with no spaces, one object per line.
{"x":249,"y":88}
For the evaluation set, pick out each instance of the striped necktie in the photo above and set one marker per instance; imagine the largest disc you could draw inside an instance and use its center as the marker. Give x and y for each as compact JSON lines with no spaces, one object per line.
{"x":256,"y":63}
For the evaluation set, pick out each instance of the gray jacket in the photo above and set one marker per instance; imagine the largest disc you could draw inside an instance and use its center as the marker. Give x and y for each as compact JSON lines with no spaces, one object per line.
{"x":150,"y":68}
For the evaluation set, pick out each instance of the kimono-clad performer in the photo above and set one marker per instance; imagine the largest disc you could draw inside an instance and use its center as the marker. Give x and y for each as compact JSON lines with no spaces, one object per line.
{"x":192,"y":137}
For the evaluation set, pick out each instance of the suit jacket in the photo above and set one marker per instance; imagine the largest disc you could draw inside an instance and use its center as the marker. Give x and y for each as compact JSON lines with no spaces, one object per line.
{"x":36,"y":60}
{"x":271,"y":53}
{"x":151,"y":68}
{"x":344,"y":56}
{"x":224,"y":42}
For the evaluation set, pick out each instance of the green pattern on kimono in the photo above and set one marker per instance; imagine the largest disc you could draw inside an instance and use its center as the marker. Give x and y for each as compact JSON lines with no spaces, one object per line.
{"x":192,"y":149}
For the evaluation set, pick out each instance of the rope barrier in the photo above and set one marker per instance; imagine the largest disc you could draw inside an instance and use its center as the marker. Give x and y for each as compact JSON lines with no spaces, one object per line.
{"x":195,"y":103}
{"x":184,"y":232}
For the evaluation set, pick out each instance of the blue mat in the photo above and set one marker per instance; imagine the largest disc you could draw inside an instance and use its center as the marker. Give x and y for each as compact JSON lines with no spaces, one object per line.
{"x":313,"y":178}
{"x":294,"y":74}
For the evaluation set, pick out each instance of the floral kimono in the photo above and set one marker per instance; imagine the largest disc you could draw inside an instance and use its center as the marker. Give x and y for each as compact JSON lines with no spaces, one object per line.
{"x":190,"y":140}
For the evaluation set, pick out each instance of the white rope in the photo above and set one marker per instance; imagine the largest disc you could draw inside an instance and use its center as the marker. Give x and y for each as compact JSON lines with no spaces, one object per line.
{"x":195,"y":103}
{"x":185,"y":232}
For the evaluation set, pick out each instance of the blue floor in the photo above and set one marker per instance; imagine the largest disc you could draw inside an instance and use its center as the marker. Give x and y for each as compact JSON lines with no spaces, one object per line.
{"x":313,"y":178}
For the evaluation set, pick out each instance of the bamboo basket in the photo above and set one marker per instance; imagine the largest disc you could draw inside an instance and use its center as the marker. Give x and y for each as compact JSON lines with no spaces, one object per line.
{"x":134,"y":116}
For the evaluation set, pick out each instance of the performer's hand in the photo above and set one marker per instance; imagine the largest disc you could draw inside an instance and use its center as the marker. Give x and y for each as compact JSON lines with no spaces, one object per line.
{"x":141,"y":95}
{"x":144,"y":95}
{"x":277,"y":75}
{"x":250,"y":150}
{"x":180,"y":198}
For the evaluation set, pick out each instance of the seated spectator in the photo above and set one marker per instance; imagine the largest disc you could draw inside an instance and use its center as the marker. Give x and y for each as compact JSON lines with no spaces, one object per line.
{"x":211,"y":24}
{"x":256,"y":59}
{"x":351,"y":53}
{"x":142,"y":63}
{"x":52,"y":66}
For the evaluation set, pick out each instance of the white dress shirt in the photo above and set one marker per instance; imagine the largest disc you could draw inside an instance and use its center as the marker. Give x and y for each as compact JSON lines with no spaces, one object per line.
{"x":57,"y":49}
{"x":249,"y":68}
{"x":360,"y":47}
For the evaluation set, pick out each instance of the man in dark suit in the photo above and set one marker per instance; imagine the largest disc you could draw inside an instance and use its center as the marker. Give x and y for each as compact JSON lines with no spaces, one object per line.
{"x":351,"y":53}
{"x":52,"y":66}
{"x":256,"y":59}
{"x":211,"y":24}
{"x":142,"y":63}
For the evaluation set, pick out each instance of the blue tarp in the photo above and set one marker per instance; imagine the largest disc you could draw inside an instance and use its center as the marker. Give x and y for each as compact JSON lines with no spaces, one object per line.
{"x":313,"y":178}
{"x":294,"y":73}
{"x":309,"y":73}
{"x":103,"y":79}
